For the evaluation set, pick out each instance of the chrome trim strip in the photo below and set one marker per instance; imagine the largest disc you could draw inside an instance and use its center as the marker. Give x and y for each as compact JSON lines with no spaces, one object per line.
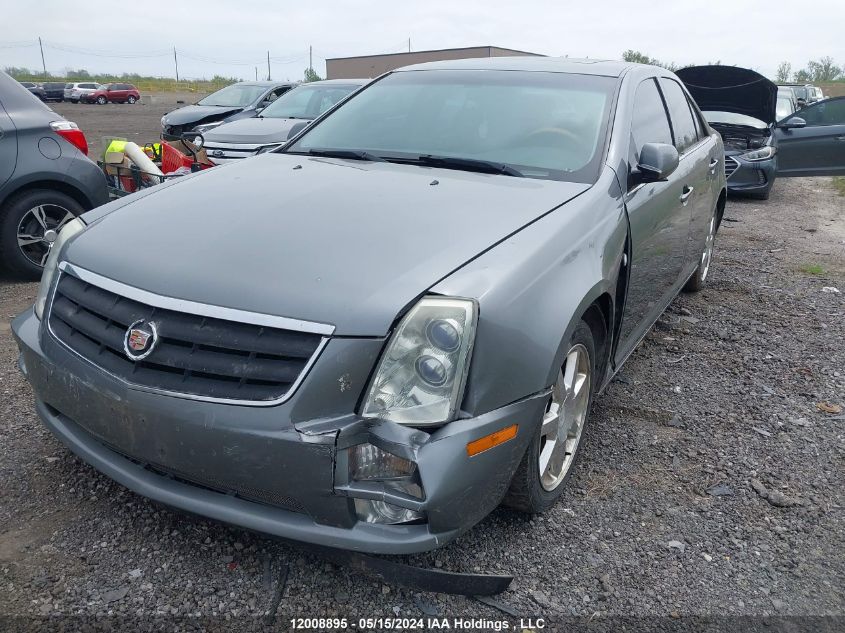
{"x":236,"y":146}
{"x":192,"y":307}
{"x":75,"y":271}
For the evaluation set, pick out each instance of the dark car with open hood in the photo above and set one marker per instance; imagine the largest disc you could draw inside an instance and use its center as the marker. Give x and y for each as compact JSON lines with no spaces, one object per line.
{"x":236,"y":101}
{"x":743,"y":107}
{"x":409,"y":314}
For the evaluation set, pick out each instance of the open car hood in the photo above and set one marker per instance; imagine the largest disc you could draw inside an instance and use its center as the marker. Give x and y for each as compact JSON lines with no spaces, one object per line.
{"x":731,"y":89}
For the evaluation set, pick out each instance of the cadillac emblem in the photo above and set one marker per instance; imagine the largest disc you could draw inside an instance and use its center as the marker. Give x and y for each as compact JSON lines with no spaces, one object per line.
{"x":140,"y":340}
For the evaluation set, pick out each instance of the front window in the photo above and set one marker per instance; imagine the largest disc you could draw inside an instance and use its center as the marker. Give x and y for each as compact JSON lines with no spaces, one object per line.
{"x":234,"y":96}
{"x":306,"y":102}
{"x":783,"y":108}
{"x":534,"y":124}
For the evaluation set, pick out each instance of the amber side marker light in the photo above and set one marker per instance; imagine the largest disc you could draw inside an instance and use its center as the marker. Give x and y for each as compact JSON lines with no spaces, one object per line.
{"x":494,"y":439}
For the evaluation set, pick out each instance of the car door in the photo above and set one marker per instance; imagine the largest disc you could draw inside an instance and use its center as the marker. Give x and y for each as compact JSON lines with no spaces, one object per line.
{"x":818,"y":148}
{"x":8,"y":146}
{"x":658,"y":222}
{"x":700,"y":153}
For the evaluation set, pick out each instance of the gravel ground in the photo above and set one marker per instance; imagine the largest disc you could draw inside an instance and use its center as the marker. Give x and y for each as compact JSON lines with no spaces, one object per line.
{"x":711,"y":482}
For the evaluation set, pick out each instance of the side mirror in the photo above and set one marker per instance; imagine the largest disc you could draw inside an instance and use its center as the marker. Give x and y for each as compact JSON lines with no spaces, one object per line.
{"x":297,"y":128}
{"x":657,"y":162}
{"x":793,"y":122}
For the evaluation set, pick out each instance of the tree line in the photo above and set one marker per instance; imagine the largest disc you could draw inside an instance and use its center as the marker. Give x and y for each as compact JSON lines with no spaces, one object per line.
{"x":816,"y":71}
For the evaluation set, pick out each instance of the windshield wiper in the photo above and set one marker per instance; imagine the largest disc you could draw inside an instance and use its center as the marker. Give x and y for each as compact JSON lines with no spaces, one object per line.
{"x":465,"y":164}
{"x":353,"y":154}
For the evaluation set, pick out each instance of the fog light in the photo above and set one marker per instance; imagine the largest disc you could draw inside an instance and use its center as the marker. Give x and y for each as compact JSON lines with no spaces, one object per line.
{"x":371,"y":511}
{"x":368,"y":462}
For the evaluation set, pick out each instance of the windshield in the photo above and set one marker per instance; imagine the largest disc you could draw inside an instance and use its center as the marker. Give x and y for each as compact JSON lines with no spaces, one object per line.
{"x":733,"y":118}
{"x":306,"y":102}
{"x":234,"y":96}
{"x":544,"y":125}
{"x":784,"y":108}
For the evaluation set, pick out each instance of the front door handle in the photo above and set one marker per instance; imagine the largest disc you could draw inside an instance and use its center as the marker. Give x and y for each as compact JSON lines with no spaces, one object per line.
{"x":686,"y":194}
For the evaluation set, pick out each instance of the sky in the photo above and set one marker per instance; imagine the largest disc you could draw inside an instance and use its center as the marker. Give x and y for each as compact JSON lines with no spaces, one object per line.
{"x":232,"y":38}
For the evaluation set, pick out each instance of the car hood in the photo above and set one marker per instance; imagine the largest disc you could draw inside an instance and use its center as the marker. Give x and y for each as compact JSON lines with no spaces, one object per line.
{"x":347,"y":243}
{"x":731,"y":89}
{"x":252,"y":130}
{"x":196,"y":113}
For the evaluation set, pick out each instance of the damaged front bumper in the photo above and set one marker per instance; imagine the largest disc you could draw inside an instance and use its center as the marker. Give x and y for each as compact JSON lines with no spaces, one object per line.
{"x":749,"y":177}
{"x":278,"y":469}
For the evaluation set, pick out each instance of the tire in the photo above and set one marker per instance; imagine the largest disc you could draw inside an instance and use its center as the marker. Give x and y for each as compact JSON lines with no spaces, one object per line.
{"x":24,"y":257}
{"x":130,"y":100}
{"x":699,"y":277}
{"x":102,"y":100}
{"x":531,"y":490}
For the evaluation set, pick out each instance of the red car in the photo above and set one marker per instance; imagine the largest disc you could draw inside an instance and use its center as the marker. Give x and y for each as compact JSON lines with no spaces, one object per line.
{"x":114,"y":93}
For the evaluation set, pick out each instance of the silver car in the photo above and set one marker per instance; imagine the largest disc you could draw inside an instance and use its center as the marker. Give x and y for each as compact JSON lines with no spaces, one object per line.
{"x":379,"y":333}
{"x":75,"y":91}
{"x":279,"y":121}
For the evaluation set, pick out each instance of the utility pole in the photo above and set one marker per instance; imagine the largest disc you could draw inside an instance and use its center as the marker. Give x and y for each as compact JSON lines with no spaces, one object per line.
{"x":311,"y":57}
{"x":409,"y":44}
{"x":176,"y":61}
{"x":256,"y":73}
{"x":43,"y":63}
{"x":268,"y":65}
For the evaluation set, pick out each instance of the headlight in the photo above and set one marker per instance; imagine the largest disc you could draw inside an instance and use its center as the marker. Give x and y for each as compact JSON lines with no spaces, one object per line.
{"x":163,"y":120}
{"x":205,"y":127}
{"x":52,"y":265}
{"x":421,"y":375}
{"x":760,"y":154}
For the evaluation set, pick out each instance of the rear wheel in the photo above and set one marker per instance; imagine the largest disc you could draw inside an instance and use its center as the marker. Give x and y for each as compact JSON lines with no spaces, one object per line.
{"x":696,"y":282}
{"x":548,"y":463}
{"x":29,"y":224}
{"x":130,"y":99}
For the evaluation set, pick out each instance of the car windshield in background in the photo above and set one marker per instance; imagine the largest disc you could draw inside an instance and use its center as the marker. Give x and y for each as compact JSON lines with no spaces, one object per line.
{"x":234,"y":96}
{"x":538,"y":124}
{"x":733,"y":118}
{"x":783,"y":108}
{"x":306,"y":102}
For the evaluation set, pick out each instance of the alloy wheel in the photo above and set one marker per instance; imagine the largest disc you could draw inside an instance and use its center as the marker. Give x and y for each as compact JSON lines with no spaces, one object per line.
{"x":39,"y":228}
{"x":707,"y":255}
{"x":563,"y":422}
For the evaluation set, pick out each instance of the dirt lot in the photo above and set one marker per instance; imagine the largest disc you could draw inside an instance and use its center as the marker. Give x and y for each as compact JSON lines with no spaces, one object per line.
{"x":711,"y":483}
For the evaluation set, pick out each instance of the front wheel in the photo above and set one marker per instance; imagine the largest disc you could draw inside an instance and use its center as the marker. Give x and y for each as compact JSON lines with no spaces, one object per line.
{"x":547,"y":465}
{"x":101,"y":100}
{"x":131,"y":100}
{"x":696,"y":282}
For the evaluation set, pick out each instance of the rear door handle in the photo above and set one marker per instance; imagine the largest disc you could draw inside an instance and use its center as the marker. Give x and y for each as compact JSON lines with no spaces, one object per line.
{"x":686,"y":194}
{"x":713,"y":163}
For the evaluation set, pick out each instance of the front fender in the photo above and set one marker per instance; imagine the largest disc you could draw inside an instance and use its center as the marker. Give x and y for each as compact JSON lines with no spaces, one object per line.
{"x":532,"y":290}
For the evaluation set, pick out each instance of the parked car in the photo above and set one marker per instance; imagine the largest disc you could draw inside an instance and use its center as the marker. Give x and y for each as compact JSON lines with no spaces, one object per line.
{"x":804,"y":93}
{"x":467,"y":252}
{"x":74,"y":91}
{"x":237,"y":101}
{"x":741,"y":105}
{"x":112,"y":93}
{"x":53,"y":91}
{"x":786,"y":93}
{"x":34,"y":88}
{"x":277,"y":122}
{"x":811,"y":141}
{"x":784,"y":107}
{"x":46,"y":179}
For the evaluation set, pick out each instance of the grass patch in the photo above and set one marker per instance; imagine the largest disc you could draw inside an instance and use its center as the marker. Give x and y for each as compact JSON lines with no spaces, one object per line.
{"x":839,"y":184}
{"x":812,"y":269}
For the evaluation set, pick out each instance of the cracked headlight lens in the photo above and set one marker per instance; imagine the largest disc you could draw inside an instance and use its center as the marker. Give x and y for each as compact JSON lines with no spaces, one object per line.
{"x":763,"y":153}
{"x":51,"y":266}
{"x":421,"y":375}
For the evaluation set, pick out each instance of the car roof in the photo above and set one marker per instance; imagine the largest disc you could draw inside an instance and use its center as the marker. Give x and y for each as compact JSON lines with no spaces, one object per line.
{"x":336,"y":82}
{"x":603,"y":67}
{"x":265,"y":84}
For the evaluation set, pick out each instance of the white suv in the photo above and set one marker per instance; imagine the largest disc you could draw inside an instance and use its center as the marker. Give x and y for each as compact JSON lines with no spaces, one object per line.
{"x":74,"y":91}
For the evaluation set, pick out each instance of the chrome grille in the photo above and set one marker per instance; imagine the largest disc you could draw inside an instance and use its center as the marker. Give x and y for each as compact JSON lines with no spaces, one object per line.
{"x":731,"y":165}
{"x":223,"y":152}
{"x":196,"y":355}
